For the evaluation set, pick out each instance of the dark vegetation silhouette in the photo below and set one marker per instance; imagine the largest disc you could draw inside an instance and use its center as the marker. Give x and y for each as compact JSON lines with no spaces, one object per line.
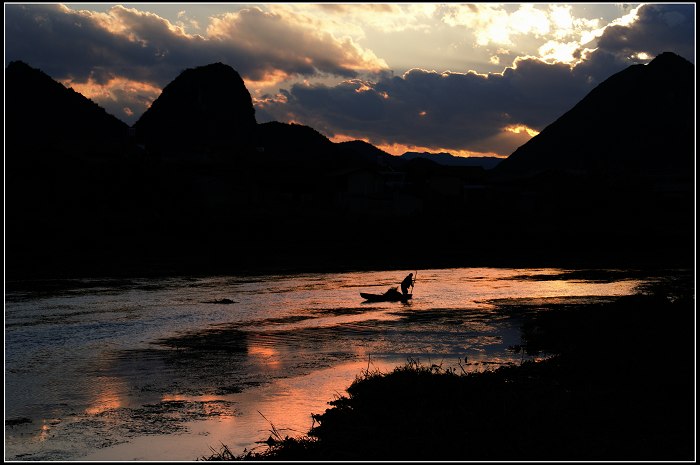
{"x":616,"y":384}
{"x":197,"y":185}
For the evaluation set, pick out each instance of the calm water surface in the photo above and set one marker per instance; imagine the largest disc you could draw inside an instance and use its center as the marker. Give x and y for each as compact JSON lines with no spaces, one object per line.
{"x":165,"y":369}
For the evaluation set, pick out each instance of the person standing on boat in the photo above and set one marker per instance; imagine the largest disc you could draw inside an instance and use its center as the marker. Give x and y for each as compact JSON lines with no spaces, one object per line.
{"x":406,"y":283}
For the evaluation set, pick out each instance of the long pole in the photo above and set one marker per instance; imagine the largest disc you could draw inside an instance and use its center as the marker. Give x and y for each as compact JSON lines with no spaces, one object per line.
{"x":413,"y":284}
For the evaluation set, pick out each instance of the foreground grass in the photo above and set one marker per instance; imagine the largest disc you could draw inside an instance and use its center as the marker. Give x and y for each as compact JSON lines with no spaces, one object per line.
{"x":621,"y":387}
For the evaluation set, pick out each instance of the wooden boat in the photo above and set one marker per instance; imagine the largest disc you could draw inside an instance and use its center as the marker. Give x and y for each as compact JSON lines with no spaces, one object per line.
{"x":391,"y":295}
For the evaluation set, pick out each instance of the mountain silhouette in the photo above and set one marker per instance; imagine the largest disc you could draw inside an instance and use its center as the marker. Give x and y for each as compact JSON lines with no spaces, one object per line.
{"x":290,"y":141}
{"x":611,"y":181}
{"x":639,"y":120}
{"x":43,"y":114}
{"x":203,"y":108}
{"x":612,"y":177}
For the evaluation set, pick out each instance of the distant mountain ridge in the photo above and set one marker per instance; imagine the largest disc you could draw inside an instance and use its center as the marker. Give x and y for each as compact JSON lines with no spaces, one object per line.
{"x":638,"y":120}
{"x":447,"y":159}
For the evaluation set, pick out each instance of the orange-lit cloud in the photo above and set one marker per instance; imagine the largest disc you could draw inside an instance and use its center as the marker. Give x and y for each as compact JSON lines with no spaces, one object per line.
{"x":337,"y":138}
{"x":261,"y":102}
{"x":93,"y":89}
{"x":508,"y":139}
{"x":269,"y":79}
{"x":397,"y":149}
{"x":521,"y":128}
{"x":117,"y":92}
{"x":400,"y":149}
{"x":504,"y":143}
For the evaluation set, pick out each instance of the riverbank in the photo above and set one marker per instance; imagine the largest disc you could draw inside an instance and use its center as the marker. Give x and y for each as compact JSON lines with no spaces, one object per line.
{"x":619,"y":385}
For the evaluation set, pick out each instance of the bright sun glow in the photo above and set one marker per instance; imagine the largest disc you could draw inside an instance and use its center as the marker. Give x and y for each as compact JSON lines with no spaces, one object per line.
{"x":521,"y":128}
{"x":558,"y":52}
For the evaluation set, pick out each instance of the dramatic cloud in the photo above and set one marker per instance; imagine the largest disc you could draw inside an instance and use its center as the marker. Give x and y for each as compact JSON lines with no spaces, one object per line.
{"x":658,"y":28}
{"x":377,"y":72}
{"x":462,"y":111}
{"x":136,"y":46}
{"x":278,"y":43}
{"x":481,"y":113}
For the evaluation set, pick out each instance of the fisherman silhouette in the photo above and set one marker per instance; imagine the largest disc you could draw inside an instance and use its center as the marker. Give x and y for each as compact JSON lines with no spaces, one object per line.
{"x":406,"y":283}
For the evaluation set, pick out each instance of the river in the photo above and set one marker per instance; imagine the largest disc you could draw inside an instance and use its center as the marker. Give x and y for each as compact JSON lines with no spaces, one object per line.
{"x":171,"y":368}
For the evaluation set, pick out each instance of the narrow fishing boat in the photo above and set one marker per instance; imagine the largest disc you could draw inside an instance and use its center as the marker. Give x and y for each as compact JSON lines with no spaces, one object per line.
{"x":392,"y":295}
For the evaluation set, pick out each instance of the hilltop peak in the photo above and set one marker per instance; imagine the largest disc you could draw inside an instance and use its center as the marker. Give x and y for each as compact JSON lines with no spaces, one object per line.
{"x":204,"y":106}
{"x":639,"y":120}
{"x":669,"y":59}
{"x":18,"y":64}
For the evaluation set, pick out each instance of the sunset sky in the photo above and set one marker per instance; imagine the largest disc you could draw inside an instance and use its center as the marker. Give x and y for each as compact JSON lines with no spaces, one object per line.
{"x":478,"y":79}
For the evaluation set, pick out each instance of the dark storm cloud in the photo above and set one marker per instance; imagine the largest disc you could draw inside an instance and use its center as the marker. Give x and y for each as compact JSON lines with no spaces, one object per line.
{"x":32,"y":35}
{"x":67,"y":44}
{"x":425,"y":108}
{"x":142,"y":46}
{"x":467,"y":111}
{"x":660,"y":28}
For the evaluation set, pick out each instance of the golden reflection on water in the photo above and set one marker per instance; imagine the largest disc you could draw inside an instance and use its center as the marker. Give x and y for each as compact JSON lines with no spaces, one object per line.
{"x":186,"y":398}
{"x":44,"y":431}
{"x":481,"y":288}
{"x":108,"y":394}
{"x":303,"y":319}
{"x":46,"y":428}
{"x":265,"y":355}
{"x":289,"y":403}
